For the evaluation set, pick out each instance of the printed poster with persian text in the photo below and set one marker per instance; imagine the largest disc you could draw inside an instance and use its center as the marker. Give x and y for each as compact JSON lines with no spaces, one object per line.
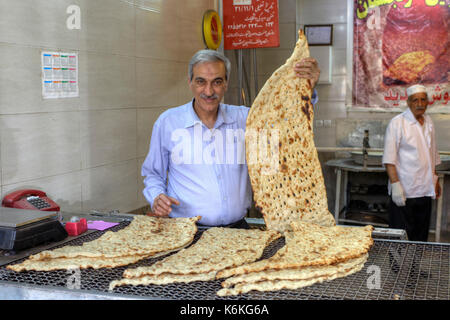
{"x":398,"y":43}
{"x":250,"y":24}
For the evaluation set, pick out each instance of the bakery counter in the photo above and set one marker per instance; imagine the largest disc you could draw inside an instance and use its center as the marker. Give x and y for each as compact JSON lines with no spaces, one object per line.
{"x":16,"y":287}
{"x":9,"y":256}
{"x":392,"y":261}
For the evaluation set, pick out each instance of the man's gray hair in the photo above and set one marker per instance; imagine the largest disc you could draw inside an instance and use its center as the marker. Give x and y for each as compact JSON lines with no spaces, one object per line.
{"x":207,"y":55}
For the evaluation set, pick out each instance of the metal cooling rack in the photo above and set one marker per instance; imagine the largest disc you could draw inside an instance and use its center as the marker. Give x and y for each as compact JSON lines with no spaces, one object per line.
{"x":405,"y":270}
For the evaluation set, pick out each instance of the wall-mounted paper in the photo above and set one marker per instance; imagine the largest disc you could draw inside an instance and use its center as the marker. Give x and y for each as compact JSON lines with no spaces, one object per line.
{"x":59,"y":75}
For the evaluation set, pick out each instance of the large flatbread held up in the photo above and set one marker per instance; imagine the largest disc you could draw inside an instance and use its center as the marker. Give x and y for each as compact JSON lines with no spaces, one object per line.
{"x":144,"y":237}
{"x":282,"y":160}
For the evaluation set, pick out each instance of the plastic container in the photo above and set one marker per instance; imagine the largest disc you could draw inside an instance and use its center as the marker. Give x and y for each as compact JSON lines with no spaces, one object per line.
{"x":76,"y":228}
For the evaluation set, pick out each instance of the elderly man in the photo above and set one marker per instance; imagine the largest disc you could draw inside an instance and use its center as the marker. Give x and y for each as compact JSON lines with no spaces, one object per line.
{"x":196,"y":164}
{"x":410,"y":157}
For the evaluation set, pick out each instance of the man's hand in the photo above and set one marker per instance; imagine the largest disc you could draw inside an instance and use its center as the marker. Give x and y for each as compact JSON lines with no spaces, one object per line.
{"x":437,"y":189}
{"x":308,"y":68}
{"x":162,"y":205}
{"x":398,"y":195}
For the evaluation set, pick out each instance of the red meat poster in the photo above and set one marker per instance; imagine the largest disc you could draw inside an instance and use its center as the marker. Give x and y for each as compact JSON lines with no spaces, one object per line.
{"x":398,"y":43}
{"x":250,"y":24}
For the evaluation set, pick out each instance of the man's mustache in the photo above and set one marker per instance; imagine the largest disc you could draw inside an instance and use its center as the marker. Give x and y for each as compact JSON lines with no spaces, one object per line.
{"x":204,"y":96}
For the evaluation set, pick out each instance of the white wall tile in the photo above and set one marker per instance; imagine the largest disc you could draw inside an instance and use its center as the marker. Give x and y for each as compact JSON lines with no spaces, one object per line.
{"x":339,"y":61}
{"x":325,"y":137}
{"x":142,"y":202}
{"x":442,"y":127}
{"x":106,"y":81}
{"x":39,"y":145}
{"x":184,"y":91}
{"x":108,"y":26}
{"x":191,"y":40}
{"x":110,"y":187}
{"x":103,"y":141}
{"x":321,"y":11}
{"x":157,"y":35}
{"x":325,"y":109}
{"x":192,"y":10}
{"x":340,"y":36}
{"x":270,"y":60}
{"x":288,"y":34}
{"x":38,"y":23}
{"x":173,"y":31}
{"x":287,"y":11}
{"x":334,"y":91}
{"x":1,"y":176}
{"x":157,"y":82}
{"x":145,"y":121}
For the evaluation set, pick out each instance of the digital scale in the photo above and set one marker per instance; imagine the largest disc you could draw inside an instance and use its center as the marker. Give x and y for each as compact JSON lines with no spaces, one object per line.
{"x":21,"y":229}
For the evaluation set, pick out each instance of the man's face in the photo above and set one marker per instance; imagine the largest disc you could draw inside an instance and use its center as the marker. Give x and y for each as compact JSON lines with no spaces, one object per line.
{"x":418,"y":104}
{"x":208,"y":85}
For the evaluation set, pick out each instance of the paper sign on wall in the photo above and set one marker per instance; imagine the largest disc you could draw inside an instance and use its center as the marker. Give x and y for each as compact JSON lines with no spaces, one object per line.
{"x":59,"y":75}
{"x":250,"y":24}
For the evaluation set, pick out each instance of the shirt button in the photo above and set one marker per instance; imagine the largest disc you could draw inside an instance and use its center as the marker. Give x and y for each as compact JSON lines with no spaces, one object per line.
{"x":224,"y":198}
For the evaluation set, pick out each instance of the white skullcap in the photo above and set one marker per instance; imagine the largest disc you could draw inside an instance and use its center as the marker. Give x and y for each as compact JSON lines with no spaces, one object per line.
{"x":417,"y":88}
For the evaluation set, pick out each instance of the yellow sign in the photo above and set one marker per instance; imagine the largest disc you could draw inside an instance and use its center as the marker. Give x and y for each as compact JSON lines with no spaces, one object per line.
{"x":212,"y":29}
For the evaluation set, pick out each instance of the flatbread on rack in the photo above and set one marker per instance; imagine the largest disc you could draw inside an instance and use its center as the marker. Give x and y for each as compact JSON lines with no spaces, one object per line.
{"x":77,"y":262}
{"x":305,"y":273}
{"x":144,"y":237}
{"x":290,"y":278}
{"x":312,"y":245}
{"x":282,"y":160}
{"x":218,"y":248}
{"x":312,"y":254}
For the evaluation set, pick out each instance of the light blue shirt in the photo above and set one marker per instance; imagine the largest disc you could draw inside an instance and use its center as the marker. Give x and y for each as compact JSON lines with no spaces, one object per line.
{"x":204,"y":169}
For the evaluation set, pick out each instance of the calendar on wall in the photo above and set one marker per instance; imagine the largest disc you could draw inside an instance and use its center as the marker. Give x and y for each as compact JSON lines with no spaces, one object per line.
{"x":59,"y":75}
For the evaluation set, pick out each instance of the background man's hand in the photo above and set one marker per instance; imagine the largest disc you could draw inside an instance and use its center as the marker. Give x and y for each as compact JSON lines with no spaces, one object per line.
{"x":162,"y":205}
{"x":308,"y":68}
{"x":398,"y":195}
{"x":437,"y":189}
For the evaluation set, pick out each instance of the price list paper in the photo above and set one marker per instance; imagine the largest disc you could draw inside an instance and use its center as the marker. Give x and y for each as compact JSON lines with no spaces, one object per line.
{"x":59,"y":75}
{"x":250,"y":24}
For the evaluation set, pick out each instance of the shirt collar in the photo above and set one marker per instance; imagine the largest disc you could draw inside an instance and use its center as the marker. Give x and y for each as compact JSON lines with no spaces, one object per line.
{"x":190,"y":116}
{"x":224,"y":116}
{"x":410,"y":117}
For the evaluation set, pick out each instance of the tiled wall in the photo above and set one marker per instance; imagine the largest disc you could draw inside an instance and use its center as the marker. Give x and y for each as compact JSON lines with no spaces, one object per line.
{"x":332,"y":96}
{"x":86,"y":152}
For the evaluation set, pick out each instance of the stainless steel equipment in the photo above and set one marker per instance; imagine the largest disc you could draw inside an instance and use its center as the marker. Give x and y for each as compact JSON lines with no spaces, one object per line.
{"x":398,"y":278}
{"x":372,"y":158}
{"x":21,"y":229}
{"x":11,"y":217}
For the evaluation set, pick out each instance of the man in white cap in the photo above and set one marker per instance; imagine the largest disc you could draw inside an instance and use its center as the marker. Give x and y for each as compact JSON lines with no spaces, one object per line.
{"x":410,"y":157}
